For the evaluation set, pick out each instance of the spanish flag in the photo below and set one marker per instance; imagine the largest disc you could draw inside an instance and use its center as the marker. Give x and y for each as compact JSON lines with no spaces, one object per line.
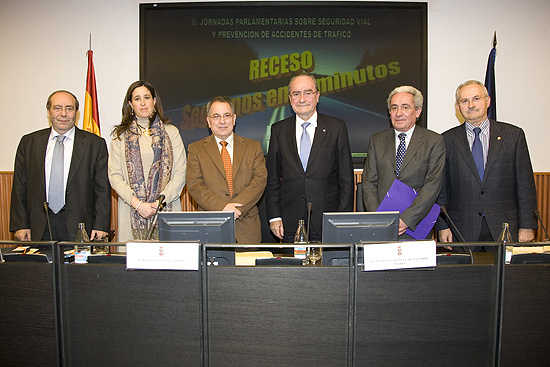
{"x":91,"y":111}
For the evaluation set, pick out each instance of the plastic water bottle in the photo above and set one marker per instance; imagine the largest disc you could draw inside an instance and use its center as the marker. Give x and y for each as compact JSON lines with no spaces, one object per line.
{"x":81,"y":252}
{"x":505,"y":238}
{"x":300,"y":238}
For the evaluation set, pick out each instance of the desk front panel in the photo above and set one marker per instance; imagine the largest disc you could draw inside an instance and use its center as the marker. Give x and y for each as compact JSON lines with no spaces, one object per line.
{"x":278,"y":316}
{"x":441,"y":317}
{"x":27,"y":324}
{"x":115,"y":317}
{"x":526,"y":316}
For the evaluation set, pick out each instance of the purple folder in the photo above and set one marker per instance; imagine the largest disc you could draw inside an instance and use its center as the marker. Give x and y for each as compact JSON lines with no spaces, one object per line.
{"x":399,"y":197}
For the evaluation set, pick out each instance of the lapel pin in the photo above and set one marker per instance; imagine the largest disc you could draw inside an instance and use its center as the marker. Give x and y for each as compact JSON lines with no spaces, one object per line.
{"x":324,"y":130}
{"x":498,"y":138}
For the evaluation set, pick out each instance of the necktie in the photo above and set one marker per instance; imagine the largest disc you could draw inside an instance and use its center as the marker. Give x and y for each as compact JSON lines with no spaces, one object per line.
{"x":477,"y":152}
{"x":305,"y":145}
{"x":401,"y":149}
{"x":56,"y":192}
{"x":226,"y":158}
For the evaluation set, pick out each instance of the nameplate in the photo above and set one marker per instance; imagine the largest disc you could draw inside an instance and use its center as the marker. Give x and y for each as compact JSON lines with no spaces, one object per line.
{"x":399,"y":255}
{"x":162,"y":255}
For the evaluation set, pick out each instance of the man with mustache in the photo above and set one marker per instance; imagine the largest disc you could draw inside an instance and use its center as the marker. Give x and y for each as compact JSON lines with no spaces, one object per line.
{"x":309,"y":161}
{"x":488,"y":175}
{"x":407,"y":152}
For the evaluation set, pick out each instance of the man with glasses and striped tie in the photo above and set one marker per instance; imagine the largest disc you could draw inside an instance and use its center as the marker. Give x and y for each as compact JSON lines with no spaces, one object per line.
{"x":226,"y":172}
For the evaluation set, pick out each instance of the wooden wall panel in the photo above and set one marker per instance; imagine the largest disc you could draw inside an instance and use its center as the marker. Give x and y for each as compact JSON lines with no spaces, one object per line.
{"x":6,"y":181}
{"x":542,"y":182}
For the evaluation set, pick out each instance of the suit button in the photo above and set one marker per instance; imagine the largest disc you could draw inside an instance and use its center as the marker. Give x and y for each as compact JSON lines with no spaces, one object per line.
{"x":480,"y":214}
{"x":306,"y":180}
{"x":483,"y":192}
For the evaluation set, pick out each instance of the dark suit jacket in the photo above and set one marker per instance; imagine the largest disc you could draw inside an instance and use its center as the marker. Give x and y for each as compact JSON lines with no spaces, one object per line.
{"x":422,"y":169}
{"x":87,"y":196}
{"x":207,"y":183}
{"x":327,"y":183}
{"x":507,"y":193}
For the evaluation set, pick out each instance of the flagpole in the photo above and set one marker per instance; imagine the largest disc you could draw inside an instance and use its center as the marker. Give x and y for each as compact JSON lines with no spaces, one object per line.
{"x":490,"y":82}
{"x":91,"y":111}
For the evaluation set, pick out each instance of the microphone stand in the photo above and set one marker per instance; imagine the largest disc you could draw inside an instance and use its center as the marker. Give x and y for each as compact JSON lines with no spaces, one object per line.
{"x":308,"y":220}
{"x":160,"y":206}
{"x":537,"y":215}
{"x":46,"y":209}
{"x":455,"y":229}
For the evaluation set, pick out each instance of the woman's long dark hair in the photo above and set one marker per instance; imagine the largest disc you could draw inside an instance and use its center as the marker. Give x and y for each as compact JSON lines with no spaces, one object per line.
{"x":128,"y":113}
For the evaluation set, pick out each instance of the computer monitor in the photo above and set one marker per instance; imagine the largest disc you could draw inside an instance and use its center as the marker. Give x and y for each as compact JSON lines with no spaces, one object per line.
{"x":348,"y":227}
{"x":203,"y":227}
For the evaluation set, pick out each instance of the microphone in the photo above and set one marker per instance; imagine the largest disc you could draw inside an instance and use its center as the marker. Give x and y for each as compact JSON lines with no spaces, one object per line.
{"x":46,"y":209}
{"x":308,"y":219}
{"x":537,"y":215}
{"x":160,"y":206}
{"x":455,"y":229}
{"x":162,"y":202}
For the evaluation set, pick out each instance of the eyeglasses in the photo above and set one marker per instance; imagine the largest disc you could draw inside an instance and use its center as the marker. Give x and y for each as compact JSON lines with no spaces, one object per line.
{"x":404,"y":107}
{"x":307,"y":93}
{"x":465,"y":101}
{"x":217,"y":118}
{"x":58,"y":108}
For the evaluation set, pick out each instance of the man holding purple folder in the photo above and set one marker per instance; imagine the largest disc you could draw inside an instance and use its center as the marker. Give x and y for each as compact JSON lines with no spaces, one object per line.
{"x":409,"y":153}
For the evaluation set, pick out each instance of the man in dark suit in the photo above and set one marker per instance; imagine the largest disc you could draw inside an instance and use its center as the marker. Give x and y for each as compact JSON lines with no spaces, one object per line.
{"x":83,"y":193}
{"x":407,"y":152}
{"x":234,"y":185}
{"x":309,"y":161}
{"x":482,"y":193}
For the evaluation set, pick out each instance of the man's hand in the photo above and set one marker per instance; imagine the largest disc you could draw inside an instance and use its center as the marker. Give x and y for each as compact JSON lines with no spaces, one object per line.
{"x":23,"y":235}
{"x":445,"y":235}
{"x":232,"y":207}
{"x":402,"y":227}
{"x":97,"y":235}
{"x":526,"y":235}
{"x":277,"y":228}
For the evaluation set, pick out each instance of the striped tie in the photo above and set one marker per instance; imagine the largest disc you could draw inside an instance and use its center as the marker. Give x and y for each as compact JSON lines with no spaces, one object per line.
{"x":401,"y":149}
{"x":226,"y":158}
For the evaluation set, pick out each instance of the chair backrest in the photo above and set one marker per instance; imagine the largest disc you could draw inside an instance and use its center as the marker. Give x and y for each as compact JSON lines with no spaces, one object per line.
{"x":279,"y":261}
{"x":530,"y":259}
{"x":107,"y":259}
{"x":359,"y":198}
{"x":27,"y":258}
{"x":453,"y":259}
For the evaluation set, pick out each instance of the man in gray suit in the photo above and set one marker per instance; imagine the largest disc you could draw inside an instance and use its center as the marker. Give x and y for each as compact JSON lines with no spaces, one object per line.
{"x":407,"y":152}
{"x":482,"y":193}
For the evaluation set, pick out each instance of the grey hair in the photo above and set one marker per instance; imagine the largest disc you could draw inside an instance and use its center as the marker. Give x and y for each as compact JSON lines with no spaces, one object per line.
{"x":418,"y":99}
{"x":471,"y":82}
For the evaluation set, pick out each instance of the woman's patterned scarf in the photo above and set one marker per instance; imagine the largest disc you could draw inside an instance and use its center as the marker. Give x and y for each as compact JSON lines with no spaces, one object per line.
{"x":159,"y":173}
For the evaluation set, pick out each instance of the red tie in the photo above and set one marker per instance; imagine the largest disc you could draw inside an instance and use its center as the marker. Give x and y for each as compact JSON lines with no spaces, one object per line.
{"x":228,"y":167}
